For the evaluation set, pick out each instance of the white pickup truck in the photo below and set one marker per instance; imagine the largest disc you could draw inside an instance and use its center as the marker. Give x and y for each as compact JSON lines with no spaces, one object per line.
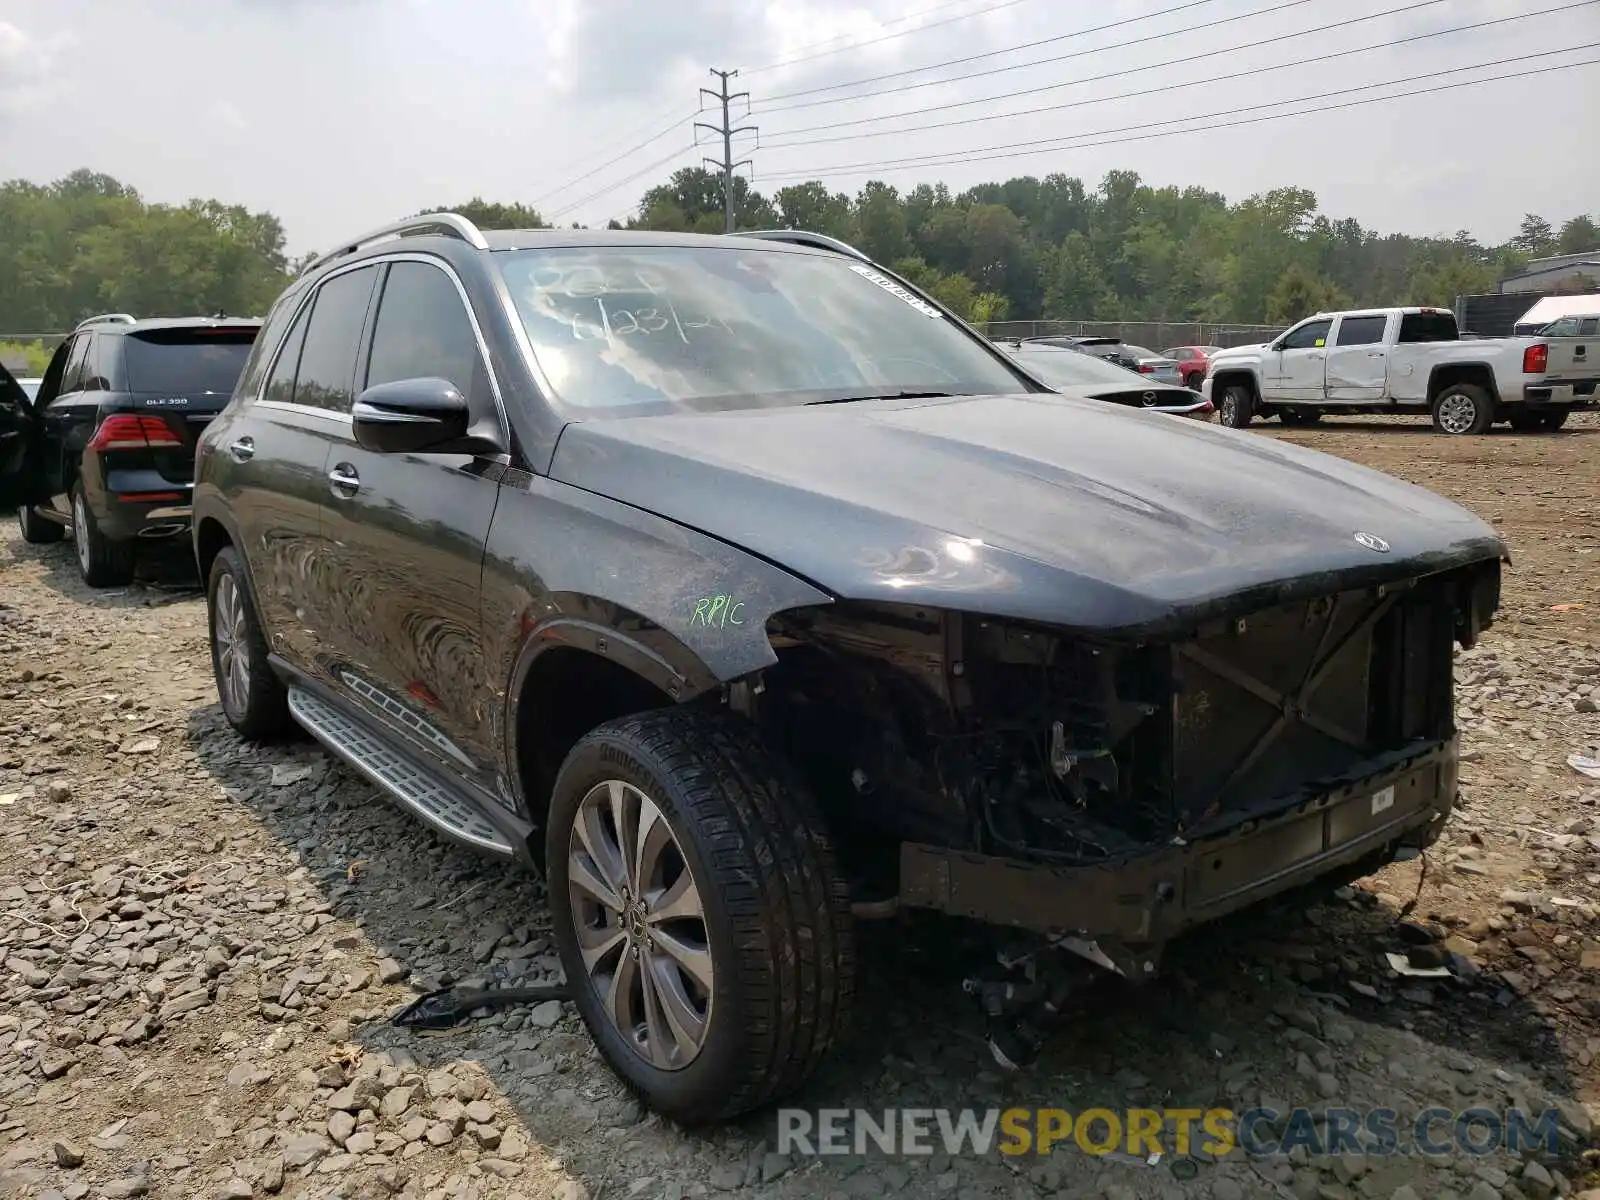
{"x":1405,"y":360}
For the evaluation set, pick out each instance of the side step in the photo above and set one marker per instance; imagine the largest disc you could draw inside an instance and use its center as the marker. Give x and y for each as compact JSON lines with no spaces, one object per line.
{"x":414,"y":788}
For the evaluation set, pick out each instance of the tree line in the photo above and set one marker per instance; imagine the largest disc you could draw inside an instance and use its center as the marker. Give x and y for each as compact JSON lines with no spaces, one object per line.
{"x":1023,"y":249}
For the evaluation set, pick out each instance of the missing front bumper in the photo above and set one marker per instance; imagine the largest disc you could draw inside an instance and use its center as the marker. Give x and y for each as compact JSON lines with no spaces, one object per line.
{"x":1151,"y":898}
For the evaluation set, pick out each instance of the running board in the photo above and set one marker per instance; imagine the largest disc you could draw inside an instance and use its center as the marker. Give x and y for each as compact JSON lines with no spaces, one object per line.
{"x":416,"y":790}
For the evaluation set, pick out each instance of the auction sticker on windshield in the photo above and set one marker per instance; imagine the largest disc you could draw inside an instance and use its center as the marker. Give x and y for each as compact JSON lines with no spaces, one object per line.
{"x":894,"y":289}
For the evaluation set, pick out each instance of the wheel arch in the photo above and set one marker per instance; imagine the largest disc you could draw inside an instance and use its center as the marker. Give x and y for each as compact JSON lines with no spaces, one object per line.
{"x":1447,"y":375}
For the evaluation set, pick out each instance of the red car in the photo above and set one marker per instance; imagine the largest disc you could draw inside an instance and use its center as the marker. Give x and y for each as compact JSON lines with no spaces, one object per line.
{"x":1193,"y":363}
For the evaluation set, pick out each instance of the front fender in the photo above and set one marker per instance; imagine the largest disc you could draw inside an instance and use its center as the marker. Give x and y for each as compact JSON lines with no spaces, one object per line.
{"x":566,"y":567}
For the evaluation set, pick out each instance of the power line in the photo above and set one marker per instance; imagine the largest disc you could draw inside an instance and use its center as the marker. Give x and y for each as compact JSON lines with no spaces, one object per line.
{"x":629,"y":152}
{"x":1045,"y":145}
{"x":889,"y":37}
{"x":1142,"y":92}
{"x":611,"y":187}
{"x":956,"y":62}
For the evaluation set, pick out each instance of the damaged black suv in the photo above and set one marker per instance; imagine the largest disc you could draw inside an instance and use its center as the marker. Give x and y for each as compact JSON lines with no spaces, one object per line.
{"x":748,"y":594}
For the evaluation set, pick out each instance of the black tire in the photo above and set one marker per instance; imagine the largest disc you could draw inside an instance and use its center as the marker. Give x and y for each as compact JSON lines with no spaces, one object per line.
{"x":36,"y":530}
{"x":1237,"y":406}
{"x":776,"y":910}
{"x":1299,"y":416}
{"x":259,"y":710}
{"x":1553,"y":419}
{"x":1463,"y":409}
{"x":1193,"y":380}
{"x":101,"y":561}
{"x":1525,"y":421}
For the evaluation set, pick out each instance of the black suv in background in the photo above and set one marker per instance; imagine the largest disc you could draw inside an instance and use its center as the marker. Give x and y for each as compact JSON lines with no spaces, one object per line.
{"x":108,"y":443}
{"x":750,"y":594}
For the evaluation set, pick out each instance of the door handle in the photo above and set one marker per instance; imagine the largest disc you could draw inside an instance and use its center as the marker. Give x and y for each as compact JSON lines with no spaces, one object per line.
{"x":243,"y":449}
{"x":343,"y":480}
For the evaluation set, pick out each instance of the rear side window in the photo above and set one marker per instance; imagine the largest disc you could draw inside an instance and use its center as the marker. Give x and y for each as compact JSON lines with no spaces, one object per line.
{"x":422,"y":330}
{"x":1428,"y":327}
{"x":1361,"y":331}
{"x":328,"y":359}
{"x":72,"y":375}
{"x":280,"y":384}
{"x":197,"y":361}
{"x":266,"y":342}
{"x":1589,"y":325}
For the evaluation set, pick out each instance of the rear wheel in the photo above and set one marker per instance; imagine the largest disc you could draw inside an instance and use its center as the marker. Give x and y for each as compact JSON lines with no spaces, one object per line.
{"x":253,"y":697}
{"x":1238,"y":404}
{"x":1193,"y":380}
{"x":101,"y":561}
{"x":1463,"y":408}
{"x":1299,"y":416}
{"x":36,"y":529}
{"x":699,"y":912}
{"x":1553,"y":419}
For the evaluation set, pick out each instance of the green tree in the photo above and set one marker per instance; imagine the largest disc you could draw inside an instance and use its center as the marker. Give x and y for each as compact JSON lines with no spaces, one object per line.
{"x":1578,"y":235}
{"x":486,"y":214}
{"x":1298,"y":294}
{"x":1534,"y":237}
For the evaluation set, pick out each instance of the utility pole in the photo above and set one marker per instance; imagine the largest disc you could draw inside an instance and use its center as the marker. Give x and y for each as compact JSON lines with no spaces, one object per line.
{"x":726,"y":131}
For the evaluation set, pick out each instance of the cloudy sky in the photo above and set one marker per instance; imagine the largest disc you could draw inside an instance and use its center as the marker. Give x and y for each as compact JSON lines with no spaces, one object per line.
{"x":341,"y":114}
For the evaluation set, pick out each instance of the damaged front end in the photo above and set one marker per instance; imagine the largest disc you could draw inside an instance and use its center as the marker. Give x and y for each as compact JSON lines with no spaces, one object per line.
{"x":1110,"y":790}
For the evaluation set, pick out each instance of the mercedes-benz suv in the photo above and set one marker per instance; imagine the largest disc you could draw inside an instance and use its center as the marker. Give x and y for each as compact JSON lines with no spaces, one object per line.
{"x":747,"y":594}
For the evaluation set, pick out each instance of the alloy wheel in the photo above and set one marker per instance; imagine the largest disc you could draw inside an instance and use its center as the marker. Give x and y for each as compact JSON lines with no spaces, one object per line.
{"x":229,"y":633}
{"x":80,"y":530}
{"x":641,"y":924}
{"x":1457,"y":413}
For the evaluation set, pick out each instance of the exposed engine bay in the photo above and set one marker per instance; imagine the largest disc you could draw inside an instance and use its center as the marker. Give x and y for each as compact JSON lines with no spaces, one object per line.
{"x":1076,"y":749}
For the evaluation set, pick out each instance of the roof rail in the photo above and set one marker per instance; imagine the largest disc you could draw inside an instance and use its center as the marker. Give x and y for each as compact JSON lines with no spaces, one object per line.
{"x":106,"y":319}
{"x":817,"y":241}
{"x":447,"y":223}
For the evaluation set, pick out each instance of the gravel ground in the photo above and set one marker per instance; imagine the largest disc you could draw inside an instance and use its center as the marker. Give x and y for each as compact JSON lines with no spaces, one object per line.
{"x":201,"y":944}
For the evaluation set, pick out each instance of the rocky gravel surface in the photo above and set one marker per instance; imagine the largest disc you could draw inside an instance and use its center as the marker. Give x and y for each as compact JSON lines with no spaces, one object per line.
{"x":201,"y":945}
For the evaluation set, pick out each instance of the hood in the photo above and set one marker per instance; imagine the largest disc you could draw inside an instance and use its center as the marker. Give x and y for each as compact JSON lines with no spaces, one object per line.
{"x":1037,"y":507}
{"x":1238,"y":351}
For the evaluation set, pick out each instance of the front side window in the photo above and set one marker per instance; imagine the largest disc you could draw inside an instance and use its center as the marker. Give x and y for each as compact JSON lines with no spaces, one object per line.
{"x":661,"y":328}
{"x":422,"y":330}
{"x":1308,"y":336}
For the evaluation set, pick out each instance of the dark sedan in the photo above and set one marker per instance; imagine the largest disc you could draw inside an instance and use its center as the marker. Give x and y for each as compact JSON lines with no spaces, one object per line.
{"x":1091,"y":378}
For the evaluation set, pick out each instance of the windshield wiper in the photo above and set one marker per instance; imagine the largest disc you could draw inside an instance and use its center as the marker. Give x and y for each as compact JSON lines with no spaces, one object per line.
{"x":886,"y":396}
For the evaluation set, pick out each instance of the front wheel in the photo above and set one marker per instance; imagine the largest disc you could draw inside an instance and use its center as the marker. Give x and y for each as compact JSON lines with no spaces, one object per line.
{"x":1237,"y":406}
{"x":101,"y":561}
{"x":699,"y":912}
{"x":36,"y":530}
{"x":1463,"y":408}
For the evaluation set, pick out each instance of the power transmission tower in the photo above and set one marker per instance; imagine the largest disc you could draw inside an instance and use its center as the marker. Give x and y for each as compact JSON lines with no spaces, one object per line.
{"x":726,"y":131}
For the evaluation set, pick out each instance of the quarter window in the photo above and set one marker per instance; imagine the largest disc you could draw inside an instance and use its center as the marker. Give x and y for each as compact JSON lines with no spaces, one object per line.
{"x":280,"y":384}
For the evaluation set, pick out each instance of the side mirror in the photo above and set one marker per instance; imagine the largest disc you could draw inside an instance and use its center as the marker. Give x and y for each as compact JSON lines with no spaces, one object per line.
{"x":412,"y":416}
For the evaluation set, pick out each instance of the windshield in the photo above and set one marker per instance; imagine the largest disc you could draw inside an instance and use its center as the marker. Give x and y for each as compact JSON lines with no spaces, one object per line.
{"x":660,"y":328}
{"x":1068,"y":368}
{"x":187,"y":361}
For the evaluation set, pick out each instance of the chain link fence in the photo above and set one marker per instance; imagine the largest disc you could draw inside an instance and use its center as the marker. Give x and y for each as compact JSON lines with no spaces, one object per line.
{"x":1152,"y":335}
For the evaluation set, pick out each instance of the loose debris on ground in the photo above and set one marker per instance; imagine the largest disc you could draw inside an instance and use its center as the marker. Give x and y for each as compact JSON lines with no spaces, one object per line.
{"x":201,"y":944}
